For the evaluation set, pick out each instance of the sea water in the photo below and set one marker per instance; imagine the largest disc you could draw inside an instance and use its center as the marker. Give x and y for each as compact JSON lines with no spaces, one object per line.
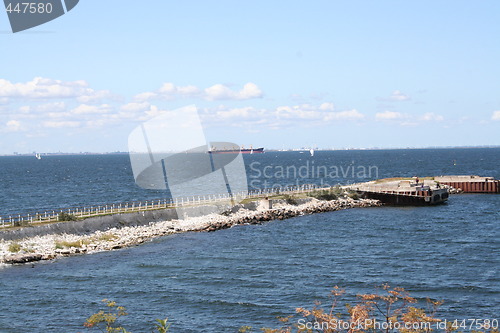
{"x":248,"y":275}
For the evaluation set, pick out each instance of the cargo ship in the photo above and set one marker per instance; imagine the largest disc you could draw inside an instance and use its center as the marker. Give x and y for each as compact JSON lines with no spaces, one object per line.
{"x":241,"y":150}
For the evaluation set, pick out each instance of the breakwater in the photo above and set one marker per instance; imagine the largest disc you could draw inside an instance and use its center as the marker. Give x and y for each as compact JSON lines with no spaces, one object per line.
{"x":81,"y":213}
{"x":46,"y":246}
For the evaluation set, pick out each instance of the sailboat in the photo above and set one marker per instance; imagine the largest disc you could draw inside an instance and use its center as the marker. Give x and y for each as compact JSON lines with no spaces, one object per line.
{"x":38,"y":156}
{"x":311,"y":151}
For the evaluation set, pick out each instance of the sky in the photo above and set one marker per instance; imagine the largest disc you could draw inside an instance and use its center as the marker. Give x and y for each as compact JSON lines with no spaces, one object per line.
{"x":273,"y":74}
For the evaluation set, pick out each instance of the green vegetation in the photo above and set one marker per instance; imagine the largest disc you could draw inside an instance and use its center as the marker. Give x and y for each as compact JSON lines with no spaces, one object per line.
{"x":107,"y":237}
{"x":14,"y":247}
{"x":388,"y":310}
{"x":327,"y":195}
{"x":21,"y":224}
{"x":107,"y":321}
{"x":86,"y":241}
{"x":63,"y":216}
{"x":66,"y":244}
{"x":333,"y":193}
{"x":290,"y":200}
{"x":226,"y":212}
{"x":353,"y":194}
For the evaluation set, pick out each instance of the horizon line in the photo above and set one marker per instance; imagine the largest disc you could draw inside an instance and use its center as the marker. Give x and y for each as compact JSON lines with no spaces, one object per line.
{"x":270,"y":149}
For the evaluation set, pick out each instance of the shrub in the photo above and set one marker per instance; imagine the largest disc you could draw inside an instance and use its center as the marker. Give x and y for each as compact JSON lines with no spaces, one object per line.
{"x":108,"y":237}
{"x":66,"y":244}
{"x":106,"y":321}
{"x":353,"y":195}
{"x":226,"y":213}
{"x":22,"y":223}
{"x":63,"y":216}
{"x":337,"y":190}
{"x":391,"y":307}
{"x":290,"y":200}
{"x":14,"y":247}
{"x":323,"y":195}
{"x":375,"y":313}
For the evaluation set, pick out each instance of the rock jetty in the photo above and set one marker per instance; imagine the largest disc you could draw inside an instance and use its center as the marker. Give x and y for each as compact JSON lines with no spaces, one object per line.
{"x":52,"y":246}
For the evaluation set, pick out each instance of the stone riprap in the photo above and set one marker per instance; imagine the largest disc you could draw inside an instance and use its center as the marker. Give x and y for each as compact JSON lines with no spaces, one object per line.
{"x":51,"y":246}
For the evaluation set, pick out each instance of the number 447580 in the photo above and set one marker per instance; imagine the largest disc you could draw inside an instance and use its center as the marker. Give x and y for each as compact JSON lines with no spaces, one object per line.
{"x":30,"y":7}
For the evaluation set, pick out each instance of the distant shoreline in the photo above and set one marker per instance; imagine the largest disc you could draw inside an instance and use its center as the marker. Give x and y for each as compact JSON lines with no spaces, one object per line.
{"x":267,"y":150}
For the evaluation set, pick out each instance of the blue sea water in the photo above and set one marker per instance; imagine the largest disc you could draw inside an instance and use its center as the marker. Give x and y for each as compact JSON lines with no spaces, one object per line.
{"x":29,"y":185}
{"x":248,"y":275}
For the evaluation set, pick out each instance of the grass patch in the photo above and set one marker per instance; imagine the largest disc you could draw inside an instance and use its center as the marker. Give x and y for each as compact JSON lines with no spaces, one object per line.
{"x":14,"y":247}
{"x":353,"y":195}
{"x":107,"y":237}
{"x":326,"y":195}
{"x":66,"y":244}
{"x":290,"y":200}
{"x":331,"y":194}
{"x":63,"y":216}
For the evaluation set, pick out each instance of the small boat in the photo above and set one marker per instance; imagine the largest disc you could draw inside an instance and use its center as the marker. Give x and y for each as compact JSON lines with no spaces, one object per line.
{"x":38,"y":156}
{"x":311,"y":151}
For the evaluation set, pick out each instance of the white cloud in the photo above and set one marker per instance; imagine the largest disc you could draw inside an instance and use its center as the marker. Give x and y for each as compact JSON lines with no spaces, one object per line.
{"x":94,"y":96}
{"x":25,"y":109}
{"x":408,"y":120}
{"x":304,"y":112}
{"x":13,"y":126}
{"x":326,"y":107}
{"x":430,"y":116}
{"x":58,"y":115}
{"x":85,"y":109}
{"x":50,"y":107}
{"x":220,"y":92}
{"x":345,"y":115}
{"x":495,"y":116}
{"x":169,"y":91}
{"x":42,"y":88}
{"x":145,"y":96}
{"x":285,"y":115}
{"x":397,"y":95}
{"x":244,"y":112}
{"x":135,"y":107}
{"x":389,"y":115}
{"x":60,"y":124}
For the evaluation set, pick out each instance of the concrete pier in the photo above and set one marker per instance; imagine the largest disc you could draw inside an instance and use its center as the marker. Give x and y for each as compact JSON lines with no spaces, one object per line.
{"x":403,"y":192}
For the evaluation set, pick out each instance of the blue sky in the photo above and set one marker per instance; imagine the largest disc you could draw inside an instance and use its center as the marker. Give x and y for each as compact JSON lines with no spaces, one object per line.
{"x":274,"y":74}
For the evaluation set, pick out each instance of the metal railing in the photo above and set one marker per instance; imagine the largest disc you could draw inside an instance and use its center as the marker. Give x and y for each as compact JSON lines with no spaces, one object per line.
{"x":56,"y":215}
